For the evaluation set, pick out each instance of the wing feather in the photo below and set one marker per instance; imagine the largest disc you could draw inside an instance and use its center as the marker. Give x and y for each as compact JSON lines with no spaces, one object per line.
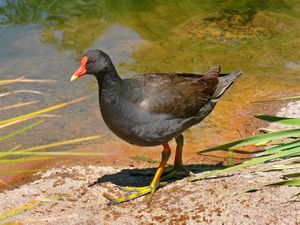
{"x":181,"y":95}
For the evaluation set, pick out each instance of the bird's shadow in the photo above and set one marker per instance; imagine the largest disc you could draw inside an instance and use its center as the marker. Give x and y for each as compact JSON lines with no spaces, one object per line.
{"x":142,"y":177}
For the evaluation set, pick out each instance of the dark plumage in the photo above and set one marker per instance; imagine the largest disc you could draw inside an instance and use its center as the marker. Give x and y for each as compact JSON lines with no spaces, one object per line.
{"x":151,"y":109}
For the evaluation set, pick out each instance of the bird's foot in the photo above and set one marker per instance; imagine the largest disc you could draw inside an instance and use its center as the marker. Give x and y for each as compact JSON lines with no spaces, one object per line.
{"x":149,"y":173}
{"x":137,"y":192}
{"x":177,"y":171}
{"x":136,"y":189}
{"x":170,"y":172}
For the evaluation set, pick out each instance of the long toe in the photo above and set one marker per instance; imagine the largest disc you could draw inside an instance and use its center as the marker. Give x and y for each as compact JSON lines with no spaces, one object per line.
{"x":177,"y":171}
{"x":140,"y":191}
{"x":132,"y":196}
{"x":150,"y":173}
{"x":137,"y":189}
{"x":143,"y":173}
{"x":137,"y":192}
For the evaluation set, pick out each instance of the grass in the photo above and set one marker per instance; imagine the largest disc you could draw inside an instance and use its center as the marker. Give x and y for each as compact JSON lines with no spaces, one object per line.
{"x":281,"y":120}
{"x":61,"y":143}
{"x":35,"y":153}
{"x":279,"y":99}
{"x":287,"y":148}
{"x":39,"y":112}
{"x":23,"y":208}
{"x":24,"y":119}
{"x":254,"y":140}
{"x":20,"y":131}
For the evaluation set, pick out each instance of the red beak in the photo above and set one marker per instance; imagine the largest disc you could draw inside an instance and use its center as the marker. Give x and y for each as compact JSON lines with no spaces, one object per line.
{"x":81,"y":70}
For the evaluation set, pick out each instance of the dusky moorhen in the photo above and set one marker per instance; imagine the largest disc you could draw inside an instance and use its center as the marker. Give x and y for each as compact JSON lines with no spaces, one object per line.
{"x":151,"y":109}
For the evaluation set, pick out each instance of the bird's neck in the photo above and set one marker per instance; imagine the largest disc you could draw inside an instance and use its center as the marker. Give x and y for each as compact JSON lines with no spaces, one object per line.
{"x":109,"y":83}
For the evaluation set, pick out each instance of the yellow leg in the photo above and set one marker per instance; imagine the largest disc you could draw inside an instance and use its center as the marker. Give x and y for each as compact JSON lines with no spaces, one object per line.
{"x":153,"y":185}
{"x":179,"y":147}
{"x":178,"y":165}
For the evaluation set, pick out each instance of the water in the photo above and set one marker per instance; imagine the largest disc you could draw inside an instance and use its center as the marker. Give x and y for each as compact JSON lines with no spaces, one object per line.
{"x":45,"y":39}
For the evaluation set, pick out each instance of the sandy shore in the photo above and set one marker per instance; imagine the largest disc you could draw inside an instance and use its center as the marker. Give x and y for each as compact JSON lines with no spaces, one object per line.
{"x":66,"y":199}
{"x":63,"y":196}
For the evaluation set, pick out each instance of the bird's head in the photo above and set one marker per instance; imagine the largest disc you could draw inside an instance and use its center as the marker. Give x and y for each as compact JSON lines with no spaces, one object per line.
{"x":94,"y":62}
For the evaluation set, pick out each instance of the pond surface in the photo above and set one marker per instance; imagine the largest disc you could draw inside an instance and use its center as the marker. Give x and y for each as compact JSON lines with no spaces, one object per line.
{"x":45,"y":40}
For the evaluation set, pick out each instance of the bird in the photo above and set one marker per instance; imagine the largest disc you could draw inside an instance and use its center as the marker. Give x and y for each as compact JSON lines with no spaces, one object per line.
{"x":154,"y":108}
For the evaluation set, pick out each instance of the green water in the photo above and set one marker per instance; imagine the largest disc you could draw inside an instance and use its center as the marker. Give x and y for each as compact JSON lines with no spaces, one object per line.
{"x":45,"y":39}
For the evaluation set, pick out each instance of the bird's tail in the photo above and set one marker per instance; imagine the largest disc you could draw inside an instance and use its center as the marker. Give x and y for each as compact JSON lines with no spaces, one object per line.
{"x":224,"y":83}
{"x":214,"y":72}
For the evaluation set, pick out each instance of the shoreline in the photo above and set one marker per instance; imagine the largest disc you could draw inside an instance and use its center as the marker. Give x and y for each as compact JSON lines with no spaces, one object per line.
{"x":61,"y":195}
{"x":120,"y":148}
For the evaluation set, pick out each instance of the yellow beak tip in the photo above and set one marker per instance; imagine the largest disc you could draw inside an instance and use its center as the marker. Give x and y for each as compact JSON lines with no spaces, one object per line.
{"x":74,"y":77}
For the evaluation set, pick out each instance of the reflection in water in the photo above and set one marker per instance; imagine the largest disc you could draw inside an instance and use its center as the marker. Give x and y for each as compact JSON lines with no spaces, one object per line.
{"x":259,"y":37}
{"x":120,"y":42}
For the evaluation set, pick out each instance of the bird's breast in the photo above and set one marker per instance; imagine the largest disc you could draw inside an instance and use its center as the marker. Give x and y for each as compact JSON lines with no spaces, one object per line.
{"x":120,"y":119}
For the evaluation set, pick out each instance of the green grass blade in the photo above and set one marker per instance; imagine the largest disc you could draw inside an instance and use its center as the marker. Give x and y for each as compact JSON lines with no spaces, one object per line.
{"x":289,"y":183}
{"x":281,"y":120}
{"x":11,"y":150}
{"x":296,"y":195}
{"x":22,"y":208}
{"x":249,"y":190}
{"x":53,"y":153}
{"x":255,"y":139}
{"x":291,"y":175}
{"x":23,"y":160}
{"x":61,"y":143}
{"x":230,"y":157}
{"x":19,"y":131}
{"x":32,"y":114}
{"x":282,"y":147}
{"x":32,"y":204}
{"x":288,"y":98}
{"x":267,"y":130}
{"x":27,"y":118}
{"x":20,"y":171}
{"x":29,"y":151}
{"x":275,"y":143}
{"x":279,"y":99}
{"x":248,"y":163}
{"x":285,"y":167}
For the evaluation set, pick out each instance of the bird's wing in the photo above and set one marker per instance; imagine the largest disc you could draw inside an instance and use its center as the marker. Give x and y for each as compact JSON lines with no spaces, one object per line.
{"x":181,"y":95}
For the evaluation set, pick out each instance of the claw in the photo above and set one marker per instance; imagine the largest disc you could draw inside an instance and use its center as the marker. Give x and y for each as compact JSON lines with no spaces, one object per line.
{"x":153,"y":189}
{"x":132,"y":196}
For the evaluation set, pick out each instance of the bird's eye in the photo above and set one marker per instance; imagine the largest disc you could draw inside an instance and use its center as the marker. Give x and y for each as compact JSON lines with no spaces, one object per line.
{"x":93,"y":61}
